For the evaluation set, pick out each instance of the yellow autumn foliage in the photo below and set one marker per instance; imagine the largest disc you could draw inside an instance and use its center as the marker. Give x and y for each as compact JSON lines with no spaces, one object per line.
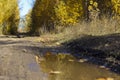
{"x":68,"y":12}
{"x":116,"y":6}
{"x":6,"y":9}
{"x":46,"y":14}
{"x":42,"y":16}
{"x":9,"y":16}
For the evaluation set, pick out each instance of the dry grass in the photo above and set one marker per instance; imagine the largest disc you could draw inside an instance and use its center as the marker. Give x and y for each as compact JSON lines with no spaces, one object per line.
{"x":95,"y":28}
{"x":0,"y":30}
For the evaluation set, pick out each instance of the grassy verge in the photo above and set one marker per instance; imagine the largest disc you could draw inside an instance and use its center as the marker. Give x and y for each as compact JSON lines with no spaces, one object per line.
{"x":93,"y":37}
{"x":0,"y":29}
{"x":98,"y":40}
{"x":95,"y":28}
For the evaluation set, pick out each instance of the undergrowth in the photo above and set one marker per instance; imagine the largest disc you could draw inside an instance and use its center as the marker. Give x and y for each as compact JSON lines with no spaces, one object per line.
{"x":95,"y":28}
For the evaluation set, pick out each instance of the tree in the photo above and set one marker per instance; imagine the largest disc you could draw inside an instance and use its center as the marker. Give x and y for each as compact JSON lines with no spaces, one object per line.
{"x":9,"y":16}
{"x":116,"y":6}
{"x":42,"y":16}
{"x":27,"y":21}
{"x":48,"y":13}
{"x":68,"y":12}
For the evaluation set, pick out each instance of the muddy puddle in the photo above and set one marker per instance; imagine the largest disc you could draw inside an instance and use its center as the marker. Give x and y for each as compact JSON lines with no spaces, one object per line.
{"x":66,"y":67}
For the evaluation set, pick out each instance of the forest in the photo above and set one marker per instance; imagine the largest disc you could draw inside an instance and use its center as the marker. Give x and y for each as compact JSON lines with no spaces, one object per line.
{"x":60,"y":40}
{"x":54,"y":16}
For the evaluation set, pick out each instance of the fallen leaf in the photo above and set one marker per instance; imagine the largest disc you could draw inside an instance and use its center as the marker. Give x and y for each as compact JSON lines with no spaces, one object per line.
{"x":109,"y":78}
{"x":71,"y":60}
{"x":106,"y":45}
{"x":24,"y":50}
{"x":102,"y":67}
{"x":82,"y":60}
{"x":37,"y":59}
{"x":55,"y":72}
{"x":101,"y":79}
{"x":57,"y":43}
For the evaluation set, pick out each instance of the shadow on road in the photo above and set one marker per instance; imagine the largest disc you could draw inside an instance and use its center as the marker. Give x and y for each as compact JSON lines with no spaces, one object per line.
{"x":100,"y":50}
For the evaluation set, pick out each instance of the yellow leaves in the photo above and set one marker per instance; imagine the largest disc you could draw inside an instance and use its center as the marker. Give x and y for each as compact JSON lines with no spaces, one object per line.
{"x":116,"y":1}
{"x":93,"y":10}
{"x":60,"y":12}
{"x":37,"y":59}
{"x":68,"y":13}
{"x":7,"y":7}
{"x":116,"y":6}
{"x":90,"y":8}
{"x":9,"y":15}
{"x":95,"y":4}
{"x":82,"y":60}
{"x":55,"y":72}
{"x":109,"y":78}
{"x":91,"y":2}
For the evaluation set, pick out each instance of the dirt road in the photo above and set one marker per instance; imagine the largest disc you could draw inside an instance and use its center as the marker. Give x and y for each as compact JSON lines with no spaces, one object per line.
{"x":17,"y":62}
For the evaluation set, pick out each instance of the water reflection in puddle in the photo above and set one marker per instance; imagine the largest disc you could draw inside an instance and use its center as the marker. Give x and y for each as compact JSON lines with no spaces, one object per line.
{"x":65,"y":67}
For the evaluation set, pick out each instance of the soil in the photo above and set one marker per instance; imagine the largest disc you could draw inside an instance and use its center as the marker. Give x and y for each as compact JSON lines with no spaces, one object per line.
{"x":101,"y":50}
{"x":17,"y":59}
{"x":17,"y":55}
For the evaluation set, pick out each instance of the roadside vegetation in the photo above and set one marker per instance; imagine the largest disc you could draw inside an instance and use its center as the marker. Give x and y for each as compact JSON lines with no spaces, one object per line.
{"x":64,"y":14}
{"x":65,"y":21}
{"x":9,"y":16}
{"x":86,"y":28}
{"x":92,"y":17}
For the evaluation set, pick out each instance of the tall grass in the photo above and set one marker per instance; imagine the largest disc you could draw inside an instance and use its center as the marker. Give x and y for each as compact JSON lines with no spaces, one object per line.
{"x":96,"y":28}
{"x":0,"y":30}
{"x":99,"y":27}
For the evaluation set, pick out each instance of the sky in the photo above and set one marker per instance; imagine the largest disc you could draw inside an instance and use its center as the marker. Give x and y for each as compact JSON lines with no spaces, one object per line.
{"x":25,"y":6}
